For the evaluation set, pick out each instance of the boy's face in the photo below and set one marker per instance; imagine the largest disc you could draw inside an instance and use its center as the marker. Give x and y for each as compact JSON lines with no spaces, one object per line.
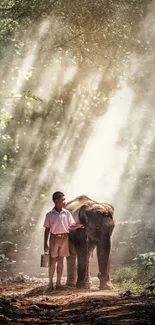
{"x":61,"y":202}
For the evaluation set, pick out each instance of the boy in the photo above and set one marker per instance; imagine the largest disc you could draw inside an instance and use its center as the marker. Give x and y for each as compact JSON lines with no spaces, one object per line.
{"x":57,"y":224}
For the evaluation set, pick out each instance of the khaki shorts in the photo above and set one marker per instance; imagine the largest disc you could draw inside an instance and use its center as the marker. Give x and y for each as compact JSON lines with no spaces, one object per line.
{"x":59,"y":246}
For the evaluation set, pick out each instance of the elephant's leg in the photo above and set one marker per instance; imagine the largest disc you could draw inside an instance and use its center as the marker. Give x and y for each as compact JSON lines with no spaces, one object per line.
{"x":108,"y":271}
{"x":103,"y":253}
{"x":83,"y":280}
{"x":83,"y":272}
{"x":71,"y":266}
{"x":108,"y":283}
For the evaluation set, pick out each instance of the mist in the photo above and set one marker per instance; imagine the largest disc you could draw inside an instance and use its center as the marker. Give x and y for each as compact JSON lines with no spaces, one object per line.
{"x":77,"y":115}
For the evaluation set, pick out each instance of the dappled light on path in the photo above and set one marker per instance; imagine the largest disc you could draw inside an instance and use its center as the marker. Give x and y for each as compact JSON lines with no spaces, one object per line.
{"x":82,"y":306}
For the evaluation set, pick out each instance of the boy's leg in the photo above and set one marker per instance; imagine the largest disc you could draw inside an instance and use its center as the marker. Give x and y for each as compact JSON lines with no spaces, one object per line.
{"x":53,"y":250}
{"x":52,"y":263}
{"x":63,"y":252}
{"x":59,"y":270}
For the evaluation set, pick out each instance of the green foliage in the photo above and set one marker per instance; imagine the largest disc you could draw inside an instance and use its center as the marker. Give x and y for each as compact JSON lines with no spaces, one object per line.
{"x":127,"y":277}
{"x":151,"y":286}
{"x":145,"y":260}
{"x":125,"y":273}
{"x":5,"y":118}
{"x":146,"y":264}
{"x":137,"y":275}
{"x":142,"y":269}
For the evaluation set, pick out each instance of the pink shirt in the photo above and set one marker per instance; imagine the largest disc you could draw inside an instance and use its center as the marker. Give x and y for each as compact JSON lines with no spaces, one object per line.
{"x":59,"y":222}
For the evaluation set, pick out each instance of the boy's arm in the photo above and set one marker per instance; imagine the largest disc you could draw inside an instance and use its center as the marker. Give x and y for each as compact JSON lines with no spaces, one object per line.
{"x":46,"y":235}
{"x":72,"y":224}
{"x":76,"y":226}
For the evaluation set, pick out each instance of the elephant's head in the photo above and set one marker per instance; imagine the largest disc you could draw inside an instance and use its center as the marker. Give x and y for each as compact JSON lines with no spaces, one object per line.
{"x":97,"y":219}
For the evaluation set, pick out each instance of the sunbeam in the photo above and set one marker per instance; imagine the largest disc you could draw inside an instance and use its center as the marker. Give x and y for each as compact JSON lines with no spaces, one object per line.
{"x":102,"y":162}
{"x":76,"y":114}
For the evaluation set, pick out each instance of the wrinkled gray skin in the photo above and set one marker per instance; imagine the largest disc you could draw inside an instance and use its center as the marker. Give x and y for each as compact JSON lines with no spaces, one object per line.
{"x":98,"y":226}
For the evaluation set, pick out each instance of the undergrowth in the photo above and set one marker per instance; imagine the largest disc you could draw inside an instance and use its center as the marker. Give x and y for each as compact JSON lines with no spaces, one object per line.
{"x":139,"y":276}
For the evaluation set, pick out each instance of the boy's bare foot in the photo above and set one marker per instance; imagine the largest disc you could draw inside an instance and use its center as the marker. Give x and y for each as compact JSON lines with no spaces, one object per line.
{"x":50,"y":287}
{"x":59,"y":286}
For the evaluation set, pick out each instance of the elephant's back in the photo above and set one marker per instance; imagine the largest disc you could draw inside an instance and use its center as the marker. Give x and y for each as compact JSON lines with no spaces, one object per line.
{"x":101,"y":207}
{"x":83,"y":201}
{"x":77,"y":203}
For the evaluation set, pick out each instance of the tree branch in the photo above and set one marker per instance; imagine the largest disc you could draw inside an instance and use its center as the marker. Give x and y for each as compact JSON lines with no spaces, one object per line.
{"x":7,"y":9}
{"x":69,"y":40}
{"x":36,"y":17}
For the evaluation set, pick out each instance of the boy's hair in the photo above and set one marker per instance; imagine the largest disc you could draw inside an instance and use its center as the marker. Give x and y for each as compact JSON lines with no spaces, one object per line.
{"x":57,"y":196}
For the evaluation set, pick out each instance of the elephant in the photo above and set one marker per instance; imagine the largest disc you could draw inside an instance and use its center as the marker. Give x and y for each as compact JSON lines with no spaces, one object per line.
{"x":98,"y":222}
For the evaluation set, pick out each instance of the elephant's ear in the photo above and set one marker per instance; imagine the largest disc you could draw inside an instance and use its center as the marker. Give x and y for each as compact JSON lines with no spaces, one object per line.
{"x":83,"y":215}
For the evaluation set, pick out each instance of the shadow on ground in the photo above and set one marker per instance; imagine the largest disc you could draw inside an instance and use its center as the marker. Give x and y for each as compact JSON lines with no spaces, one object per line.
{"x":28,"y":303}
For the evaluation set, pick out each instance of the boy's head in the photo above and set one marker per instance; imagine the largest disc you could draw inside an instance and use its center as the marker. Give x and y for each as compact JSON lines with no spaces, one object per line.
{"x":59,"y":200}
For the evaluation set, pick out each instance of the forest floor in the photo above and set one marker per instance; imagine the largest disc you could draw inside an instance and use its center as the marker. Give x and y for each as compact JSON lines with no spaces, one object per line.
{"x":28,"y":302}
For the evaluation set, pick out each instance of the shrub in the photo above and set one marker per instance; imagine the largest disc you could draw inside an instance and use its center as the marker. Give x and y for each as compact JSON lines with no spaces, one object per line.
{"x":126,"y":273}
{"x":146,"y":265}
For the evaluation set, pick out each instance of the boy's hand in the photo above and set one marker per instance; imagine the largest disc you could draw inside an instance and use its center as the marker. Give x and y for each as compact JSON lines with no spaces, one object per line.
{"x":81,"y":225}
{"x":46,"y":248}
{"x":76,"y":226}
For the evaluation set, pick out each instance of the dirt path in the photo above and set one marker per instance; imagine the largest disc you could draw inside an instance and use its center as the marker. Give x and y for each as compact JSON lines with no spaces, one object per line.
{"x":24,"y":303}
